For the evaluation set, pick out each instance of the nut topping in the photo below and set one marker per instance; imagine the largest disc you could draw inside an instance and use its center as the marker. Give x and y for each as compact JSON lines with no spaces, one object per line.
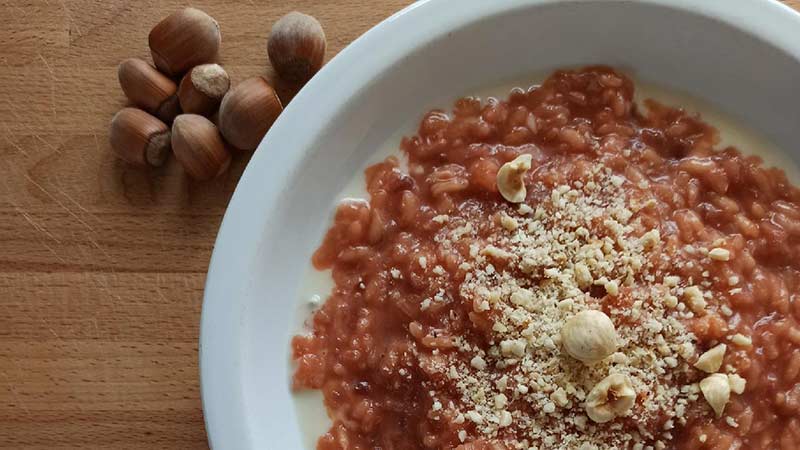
{"x":511,"y":179}
{"x":589,"y":336}
{"x":610,"y":398}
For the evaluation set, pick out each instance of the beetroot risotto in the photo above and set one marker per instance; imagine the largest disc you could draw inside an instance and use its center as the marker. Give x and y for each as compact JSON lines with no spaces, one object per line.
{"x":561,"y":270}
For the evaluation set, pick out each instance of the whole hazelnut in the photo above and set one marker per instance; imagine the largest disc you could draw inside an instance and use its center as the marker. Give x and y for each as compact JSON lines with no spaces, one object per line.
{"x":149,"y":89}
{"x":139,"y":138}
{"x":296,"y":46}
{"x":184,"y":39}
{"x":199,"y":147}
{"x":247,"y":111}
{"x":202,"y":89}
{"x":589,"y":336}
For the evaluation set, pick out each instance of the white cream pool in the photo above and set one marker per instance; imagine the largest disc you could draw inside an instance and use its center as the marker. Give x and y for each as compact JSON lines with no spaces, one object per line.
{"x":317,"y":285}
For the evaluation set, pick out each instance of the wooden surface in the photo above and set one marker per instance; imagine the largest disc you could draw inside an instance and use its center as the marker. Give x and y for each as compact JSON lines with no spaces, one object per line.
{"x":102,"y":266}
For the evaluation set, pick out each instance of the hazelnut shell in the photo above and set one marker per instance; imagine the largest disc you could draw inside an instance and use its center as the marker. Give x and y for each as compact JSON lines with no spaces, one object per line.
{"x":247,"y":111}
{"x":139,"y":138}
{"x":149,"y":89}
{"x":296,"y":46}
{"x":199,"y":147}
{"x":202,"y":88}
{"x":186,"y":38}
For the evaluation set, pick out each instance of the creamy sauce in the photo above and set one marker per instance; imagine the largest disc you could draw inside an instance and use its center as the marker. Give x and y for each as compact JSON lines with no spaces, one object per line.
{"x":317,"y":285}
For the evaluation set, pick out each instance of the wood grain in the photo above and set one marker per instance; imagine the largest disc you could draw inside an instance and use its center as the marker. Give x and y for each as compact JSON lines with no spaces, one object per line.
{"x":102,"y":266}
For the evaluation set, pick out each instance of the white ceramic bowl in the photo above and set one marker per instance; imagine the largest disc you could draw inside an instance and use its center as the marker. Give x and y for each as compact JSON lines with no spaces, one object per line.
{"x":743,"y":56}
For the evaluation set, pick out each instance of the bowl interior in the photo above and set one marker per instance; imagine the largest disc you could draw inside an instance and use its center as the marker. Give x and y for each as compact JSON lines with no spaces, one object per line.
{"x":741,"y":56}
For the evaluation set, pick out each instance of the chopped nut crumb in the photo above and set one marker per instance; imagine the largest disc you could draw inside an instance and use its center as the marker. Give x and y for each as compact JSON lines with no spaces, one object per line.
{"x":741,"y":340}
{"x":508,"y":222}
{"x":524,"y":209}
{"x":711,"y":360}
{"x":651,"y":239}
{"x":694,"y":298}
{"x":717,"y":391}
{"x":719,"y":254}
{"x":510,"y":179}
{"x":610,"y":398}
{"x":478,"y":362}
{"x":737,"y":383}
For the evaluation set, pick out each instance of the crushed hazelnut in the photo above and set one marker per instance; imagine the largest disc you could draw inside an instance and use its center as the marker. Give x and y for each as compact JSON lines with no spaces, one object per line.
{"x":719,"y":254}
{"x":711,"y":360}
{"x":610,"y":398}
{"x":559,"y":397}
{"x":650,"y":239}
{"x":508,"y":222}
{"x":741,"y":340}
{"x":717,"y":391}
{"x":612,"y":288}
{"x":737,"y":383}
{"x":505,"y":419}
{"x":694,"y":298}
{"x":478,"y":362}
{"x":511,"y":179}
{"x":563,"y":256}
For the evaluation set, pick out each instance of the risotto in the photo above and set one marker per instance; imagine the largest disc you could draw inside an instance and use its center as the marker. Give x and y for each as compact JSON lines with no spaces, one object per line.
{"x":561,"y":270}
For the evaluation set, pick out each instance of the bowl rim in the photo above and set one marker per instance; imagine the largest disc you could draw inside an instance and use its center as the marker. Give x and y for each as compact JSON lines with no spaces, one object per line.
{"x":223,"y":399}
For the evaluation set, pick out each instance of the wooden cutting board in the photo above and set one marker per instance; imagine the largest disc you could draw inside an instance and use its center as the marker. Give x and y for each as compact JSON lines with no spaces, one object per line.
{"x":102,"y":266}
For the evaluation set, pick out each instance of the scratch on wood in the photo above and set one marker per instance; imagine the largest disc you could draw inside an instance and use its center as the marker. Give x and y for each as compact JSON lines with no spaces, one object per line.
{"x":12,"y":108}
{"x":69,"y":211}
{"x":14,"y":144}
{"x":40,"y":139}
{"x":35,"y":225}
{"x":96,"y":328}
{"x":106,"y":287}
{"x":52,"y":85}
{"x":64,"y":193}
{"x":70,"y":19}
{"x":38,"y":227}
{"x":44,"y":231}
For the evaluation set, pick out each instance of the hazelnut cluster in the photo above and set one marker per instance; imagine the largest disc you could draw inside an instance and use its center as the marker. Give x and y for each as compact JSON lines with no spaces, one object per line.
{"x":185,"y":104}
